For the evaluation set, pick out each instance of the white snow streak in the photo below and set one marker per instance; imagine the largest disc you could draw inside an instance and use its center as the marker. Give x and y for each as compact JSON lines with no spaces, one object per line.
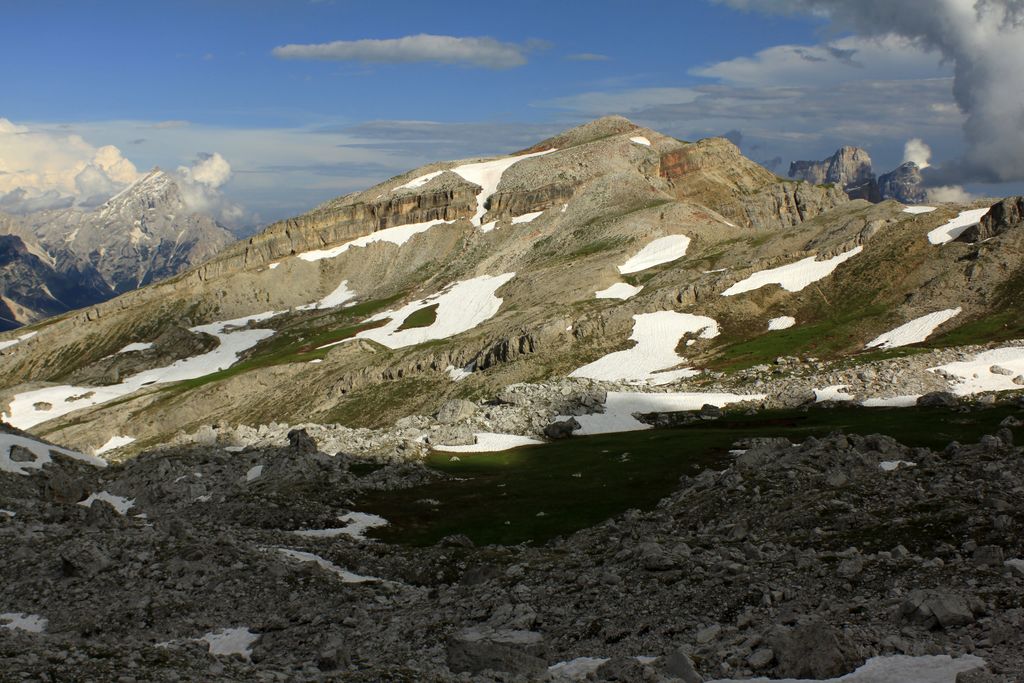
{"x":662,"y":250}
{"x":526,"y":217}
{"x":917,"y":330}
{"x":460,"y":307}
{"x":794,"y":276}
{"x":656,"y":336}
{"x":340,"y":295}
{"x":420,"y":181}
{"x":33,"y":623}
{"x":137,"y":346}
{"x":231,"y":641}
{"x":891,"y":465}
{"x":39,"y":450}
{"x":892,"y":669}
{"x":487,"y":442}
{"x":620,"y":290}
{"x":11,"y":342}
{"x":119,"y":503}
{"x":781,"y":323}
{"x":400,"y":234}
{"x":641,"y":140}
{"x":918,"y":209}
{"x":23,"y":413}
{"x":346,"y":576}
{"x":621,"y":405}
{"x":114,"y":442}
{"x":576,"y":669}
{"x":487,"y":174}
{"x":956,"y":227}
{"x":906,"y":401}
{"x":833,"y":393}
{"x":357,"y":524}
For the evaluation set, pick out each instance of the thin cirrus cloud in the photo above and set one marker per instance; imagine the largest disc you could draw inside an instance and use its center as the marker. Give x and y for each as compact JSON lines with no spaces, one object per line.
{"x":470,"y":51}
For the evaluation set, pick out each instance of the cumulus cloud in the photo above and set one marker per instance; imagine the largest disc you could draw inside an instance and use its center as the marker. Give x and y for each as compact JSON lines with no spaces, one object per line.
{"x":54,"y":169}
{"x":918,"y":152}
{"x":201,"y":183}
{"x":471,"y":51}
{"x":949,"y":193}
{"x":984,"y":41}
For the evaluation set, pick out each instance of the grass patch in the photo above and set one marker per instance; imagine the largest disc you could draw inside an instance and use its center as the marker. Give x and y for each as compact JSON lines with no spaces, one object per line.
{"x":498,"y":498}
{"x":423,"y":317}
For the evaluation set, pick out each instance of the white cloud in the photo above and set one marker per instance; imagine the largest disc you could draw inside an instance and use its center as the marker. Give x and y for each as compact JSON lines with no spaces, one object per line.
{"x":950,"y":193}
{"x":200,"y":185}
{"x":51,"y":168}
{"x":472,"y":51}
{"x":918,"y":152}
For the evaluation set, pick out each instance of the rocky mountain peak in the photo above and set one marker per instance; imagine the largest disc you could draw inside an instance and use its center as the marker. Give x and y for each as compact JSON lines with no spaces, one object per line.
{"x":849,"y":168}
{"x":155,"y":191}
{"x":904,"y":184}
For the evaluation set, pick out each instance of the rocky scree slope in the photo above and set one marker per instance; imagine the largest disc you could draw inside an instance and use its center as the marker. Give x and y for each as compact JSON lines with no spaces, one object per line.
{"x":460,"y":278}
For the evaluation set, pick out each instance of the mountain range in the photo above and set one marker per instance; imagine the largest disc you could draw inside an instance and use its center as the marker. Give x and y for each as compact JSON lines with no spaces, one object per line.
{"x":851,"y":169}
{"x":62,"y":259}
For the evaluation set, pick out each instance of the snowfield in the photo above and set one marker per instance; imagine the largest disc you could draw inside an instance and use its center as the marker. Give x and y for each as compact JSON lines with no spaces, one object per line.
{"x":918,"y":209}
{"x":917,"y":330}
{"x":487,"y":174}
{"x":40,"y":450}
{"x":342,"y":294}
{"x":794,"y":276}
{"x":399,"y":235}
{"x":656,"y":336}
{"x":956,"y":227}
{"x":231,"y":641}
{"x":892,"y":669}
{"x":992,"y":370}
{"x":346,"y":576}
{"x":113,"y":443}
{"x":29,"y":408}
{"x":11,"y":342}
{"x":782,"y":323}
{"x":487,"y":442}
{"x":620,"y":290}
{"x":460,"y":307}
{"x":119,"y":503}
{"x":662,"y":250}
{"x":621,"y":405}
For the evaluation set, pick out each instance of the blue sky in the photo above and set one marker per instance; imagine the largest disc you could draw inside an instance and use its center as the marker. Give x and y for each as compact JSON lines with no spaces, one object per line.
{"x":170,"y":83}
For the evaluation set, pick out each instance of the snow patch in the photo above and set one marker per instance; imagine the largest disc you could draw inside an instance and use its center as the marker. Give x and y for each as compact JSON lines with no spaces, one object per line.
{"x":346,"y":576}
{"x":782,"y":323}
{"x":662,"y":250}
{"x":340,"y":295}
{"x":459,"y":374}
{"x":254,"y":473}
{"x":487,"y":442}
{"x":487,"y":174}
{"x":620,"y":290}
{"x":976,"y":375}
{"x":119,"y":503}
{"x":833,"y":393}
{"x":917,"y":330}
{"x":274,"y":266}
{"x":526,"y":217}
{"x":918,"y":209}
{"x":33,"y":623}
{"x":420,"y":181}
{"x":906,"y":401}
{"x":892,"y":669}
{"x":41,"y":452}
{"x":890,"y":465}
{"x":656,"y":336}
{"x":398,"y":235}
{"x":620,"y":407}
{"x":113,"y":443}
{"x":24,"y":414}
{"x":231,"y":641}
{"x":794,"y":276}
{"x":956,"y":227}
{"x":357,"y":524}
{"x":8,"y":513}
{"x":460,"y":307}
{"x":577,"y":669}
{"x":641,"y":140}
{"x":11,"y":342}
{"x":136,"y":346}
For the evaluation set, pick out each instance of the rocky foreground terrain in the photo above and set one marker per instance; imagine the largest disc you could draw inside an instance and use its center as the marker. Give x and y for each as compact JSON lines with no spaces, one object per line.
{"x":789,"y":560}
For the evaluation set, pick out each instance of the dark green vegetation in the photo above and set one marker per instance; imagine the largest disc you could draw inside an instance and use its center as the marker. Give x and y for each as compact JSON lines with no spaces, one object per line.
{"x":498,"y":498}
{"x":423,"y":317}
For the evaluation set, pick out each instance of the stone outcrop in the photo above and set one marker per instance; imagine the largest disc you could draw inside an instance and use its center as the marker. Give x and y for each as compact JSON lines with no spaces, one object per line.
{"x":1003,"y":216}
{"x":904,"y":184}
{"x":849,"y":168}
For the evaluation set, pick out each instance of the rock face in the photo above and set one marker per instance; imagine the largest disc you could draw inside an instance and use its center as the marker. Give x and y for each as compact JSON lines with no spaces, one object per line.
{"x":849,"y":168}
{"x":1006,"y":215}
{"x":904,"y":184}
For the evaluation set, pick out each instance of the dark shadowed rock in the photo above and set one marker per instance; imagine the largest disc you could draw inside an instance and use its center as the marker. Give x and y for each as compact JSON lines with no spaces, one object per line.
{"x":301,"y":441}
{"x":562,"y":429}
{"x":1006,"y":215}
{"x":938,"y":399}
{"x":814,"y":650}
{"x":933,"y":609}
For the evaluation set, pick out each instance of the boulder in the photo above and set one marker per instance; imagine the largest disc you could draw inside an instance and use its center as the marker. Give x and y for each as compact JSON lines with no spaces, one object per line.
{"x":680,"y":666}
{"x":562,"y":429}
{"x":814,"y":650}
{"x":934,"y":609}
{"x":455,"y":410}
{"x":475,"y":650}
{"x":1003,"y":216}
{"x":301,"y":442}
{"x":938,"y":399}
